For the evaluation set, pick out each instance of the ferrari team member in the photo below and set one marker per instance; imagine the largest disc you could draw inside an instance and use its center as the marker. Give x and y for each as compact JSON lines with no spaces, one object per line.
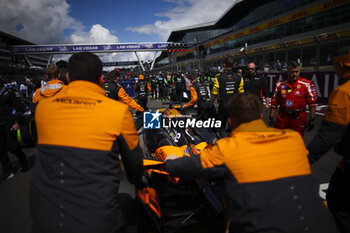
{"x":335,"y":131}
{"x":256,"y":84}
{"x":115,"y":91}
{"x":9,"y":123}
{"x":226,"y":85}
{"x":267,"y":182}
{"x":51,"y":88}
{"x":292,"y":96}
{"x":200,"y":95}
{"x":81,"y":132}
{"x":142,"y":87}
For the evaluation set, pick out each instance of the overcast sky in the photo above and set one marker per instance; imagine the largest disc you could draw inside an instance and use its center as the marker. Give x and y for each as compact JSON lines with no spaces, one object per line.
{"x":105,"y":21}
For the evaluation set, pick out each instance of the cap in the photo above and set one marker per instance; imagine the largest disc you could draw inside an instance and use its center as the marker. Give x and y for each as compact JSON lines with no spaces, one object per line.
{"x":141,"y":76}
{"x":343,"y":59}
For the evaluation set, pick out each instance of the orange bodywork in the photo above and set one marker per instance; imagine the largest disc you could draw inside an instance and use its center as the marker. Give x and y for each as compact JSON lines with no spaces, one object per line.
{"x":163,"y":152}
{"x":148,"y":196}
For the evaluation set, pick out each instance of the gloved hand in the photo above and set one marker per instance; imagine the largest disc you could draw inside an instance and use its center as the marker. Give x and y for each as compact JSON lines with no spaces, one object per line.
{"x":140,"y":109}
{"x":272,"y":122}
{"x":310,"y":125}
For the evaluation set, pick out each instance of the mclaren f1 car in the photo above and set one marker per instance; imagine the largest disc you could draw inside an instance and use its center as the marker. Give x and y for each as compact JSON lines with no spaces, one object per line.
{"x":176,"y":204}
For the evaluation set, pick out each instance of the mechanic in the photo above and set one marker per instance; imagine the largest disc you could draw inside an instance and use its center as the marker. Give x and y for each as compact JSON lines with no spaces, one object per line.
{"x":240,"y":72}
{"x":11,"y":118}
{"x":292,"y":96}
{"x":180,"y":85}
{"x":154,"y":86}
{"x":207,"y":82}
{"x":256,"y":84}
{"x":52,"y":87}
{"x":200,"y":95}
{"x":264,"y":191}
{"x":117,"y":92}
{"x":168,"y":84}
{"x":142,"y":87}
{"x":81,"y":133}
{"x":335,"y":131}
{"x":161,"y":85}
{"x":226,"y":85}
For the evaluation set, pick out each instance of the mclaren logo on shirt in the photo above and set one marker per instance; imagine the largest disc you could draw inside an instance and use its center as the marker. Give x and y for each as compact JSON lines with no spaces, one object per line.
{"x":85,"y":102}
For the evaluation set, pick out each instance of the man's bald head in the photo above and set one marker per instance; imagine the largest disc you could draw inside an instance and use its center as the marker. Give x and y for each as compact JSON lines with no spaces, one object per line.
{"x":252,"y":69}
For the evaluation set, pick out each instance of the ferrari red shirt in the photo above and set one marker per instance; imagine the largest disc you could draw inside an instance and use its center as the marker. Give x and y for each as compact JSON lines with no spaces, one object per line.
{"x":294,"y":96}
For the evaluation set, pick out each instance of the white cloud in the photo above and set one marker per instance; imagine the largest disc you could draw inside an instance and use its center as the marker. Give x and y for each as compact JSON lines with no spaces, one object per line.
{"x":186,"y":13}
{"x":100,"y":34}
{"x":44,"y":22}
{"x":147,"y":29}
{"x":97,"y":34}
{"x":38,"y":21}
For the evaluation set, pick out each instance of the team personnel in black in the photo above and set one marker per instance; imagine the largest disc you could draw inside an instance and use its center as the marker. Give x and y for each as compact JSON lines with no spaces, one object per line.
{"x":117,"y":92}
{"x":11,"y":117}
{"x":256,"y":84}
{"x":142,"y":87}
{"x":167,"y":86}
{"x":180,"y":85}
{"x":201,"y":96}
{"x":266,"y":183}
{"x":335,"y":131}
{"x":154,"y":86}
{"x":160,"y":86}
{"x":207,"y":82}
{"x":83,"y":136}
{"x":226,"y":85}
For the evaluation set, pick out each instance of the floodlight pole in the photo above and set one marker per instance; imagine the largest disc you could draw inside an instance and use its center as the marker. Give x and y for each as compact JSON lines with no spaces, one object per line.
{"x":28,"y":61}
{"x":246,"y":53}
{"x":197,"y":51}
{"x":154,"y":59}
{"x":49,"y":61}
{"x":143,"y":68}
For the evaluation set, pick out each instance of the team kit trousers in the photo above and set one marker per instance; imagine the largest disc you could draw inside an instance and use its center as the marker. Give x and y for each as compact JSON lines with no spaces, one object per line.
{"x":294,"y":121}
{"x":142,"y":101}
{"x":338,"y":195}
{"x":8,"y":141}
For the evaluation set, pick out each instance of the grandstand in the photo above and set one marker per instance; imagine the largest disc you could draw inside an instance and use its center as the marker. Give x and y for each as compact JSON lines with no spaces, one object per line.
{"x":17,"y":66}
{"x":269,"y":32}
